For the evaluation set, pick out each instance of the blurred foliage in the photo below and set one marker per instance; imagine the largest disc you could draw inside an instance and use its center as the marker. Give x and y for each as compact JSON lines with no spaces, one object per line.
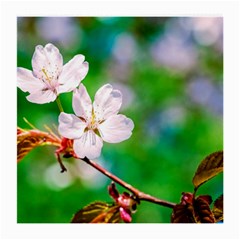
{"x":170,"y":71}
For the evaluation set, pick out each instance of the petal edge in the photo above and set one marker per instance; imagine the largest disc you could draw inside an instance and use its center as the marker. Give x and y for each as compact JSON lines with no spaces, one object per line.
{"x":116,"y":128}
{"x":70,"y":126}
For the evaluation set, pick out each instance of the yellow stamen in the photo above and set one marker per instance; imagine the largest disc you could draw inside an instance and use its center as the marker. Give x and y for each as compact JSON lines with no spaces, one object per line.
{"x":45,"y":73}
{"x":93,"y":118}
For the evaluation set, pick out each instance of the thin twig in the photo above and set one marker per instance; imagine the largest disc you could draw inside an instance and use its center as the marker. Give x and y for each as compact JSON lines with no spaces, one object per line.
{"x":63,"y":168}
{"x":140,"y":195}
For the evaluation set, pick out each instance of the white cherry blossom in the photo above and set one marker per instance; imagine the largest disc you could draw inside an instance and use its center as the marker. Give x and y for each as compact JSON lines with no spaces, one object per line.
{"x":94,"y":123}
{"x":49,"y":77}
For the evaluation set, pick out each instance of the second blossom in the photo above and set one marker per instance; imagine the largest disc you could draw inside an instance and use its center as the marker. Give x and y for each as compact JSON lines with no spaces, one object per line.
{"x":49,"y":77}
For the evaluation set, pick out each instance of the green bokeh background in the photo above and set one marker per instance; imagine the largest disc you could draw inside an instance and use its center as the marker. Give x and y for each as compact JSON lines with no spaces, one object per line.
{"x":176,"y":105}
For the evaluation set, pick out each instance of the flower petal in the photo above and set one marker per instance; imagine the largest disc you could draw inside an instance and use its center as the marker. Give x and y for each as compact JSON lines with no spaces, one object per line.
{"x":72,"y":74}
{"x":42,"y":96}
{"x":116,"y":128}
{"x":27,"y":82}
{"x":70,"y":126}
{"x":49,"y":59}
{"x":89,"y":145}
{"x":82,"y":104}
{"x":107,"y":102}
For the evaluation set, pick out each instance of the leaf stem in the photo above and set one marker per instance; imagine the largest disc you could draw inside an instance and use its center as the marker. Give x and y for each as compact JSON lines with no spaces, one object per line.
{"x":140,"y":195}
{"x":59,"y":104}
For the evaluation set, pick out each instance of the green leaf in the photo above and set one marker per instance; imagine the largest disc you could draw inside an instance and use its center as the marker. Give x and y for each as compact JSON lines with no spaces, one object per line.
{"x":202,"y":211}
{"x":98,"y":212}
{"x":208,"y":168}
{"x":218,"y":209}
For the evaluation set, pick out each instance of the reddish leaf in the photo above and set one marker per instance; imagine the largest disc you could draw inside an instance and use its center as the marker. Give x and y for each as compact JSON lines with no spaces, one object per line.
{"x":202,"y":211}
{"x":206,"y":198}
{"x":98,"y":212}
{"x":192,"y":210}
{"x":183,"y":213}
{"x":218,"y":209}
{"x":208,"y":168}
{"x":29,"y":139}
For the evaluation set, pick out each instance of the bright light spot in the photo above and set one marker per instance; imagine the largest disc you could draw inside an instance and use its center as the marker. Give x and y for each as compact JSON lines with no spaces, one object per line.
{"x":125,"y":48}
{"x":62,"y":30}
{"x":56,"y":180}
{"x":172,"y":52}
{"x":207,"y":31}
{"x":89,"y":176}
{"x":202,"y":91}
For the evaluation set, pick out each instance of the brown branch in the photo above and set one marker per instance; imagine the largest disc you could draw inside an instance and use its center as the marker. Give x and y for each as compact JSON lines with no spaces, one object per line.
{"x":140,"y":195}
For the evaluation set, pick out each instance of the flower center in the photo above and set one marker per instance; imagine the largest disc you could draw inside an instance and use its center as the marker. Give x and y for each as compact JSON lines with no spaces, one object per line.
{"x":93,"y":123}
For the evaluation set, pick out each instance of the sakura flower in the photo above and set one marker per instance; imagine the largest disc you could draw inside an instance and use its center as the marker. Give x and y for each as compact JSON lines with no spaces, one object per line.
{"x":49,"y":77}
{"x":94,"y":123}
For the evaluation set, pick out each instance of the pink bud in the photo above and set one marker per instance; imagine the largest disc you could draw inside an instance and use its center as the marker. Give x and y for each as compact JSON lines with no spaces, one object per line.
{"x":187,"y":198}
{"x":125,"y":215}
{"x":113,"y":191}
{"x":124,"y":201}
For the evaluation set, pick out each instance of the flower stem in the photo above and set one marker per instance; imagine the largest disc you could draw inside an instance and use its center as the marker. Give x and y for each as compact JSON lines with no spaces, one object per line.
{"x":59,"y":104}
{"x":140,"y":195}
